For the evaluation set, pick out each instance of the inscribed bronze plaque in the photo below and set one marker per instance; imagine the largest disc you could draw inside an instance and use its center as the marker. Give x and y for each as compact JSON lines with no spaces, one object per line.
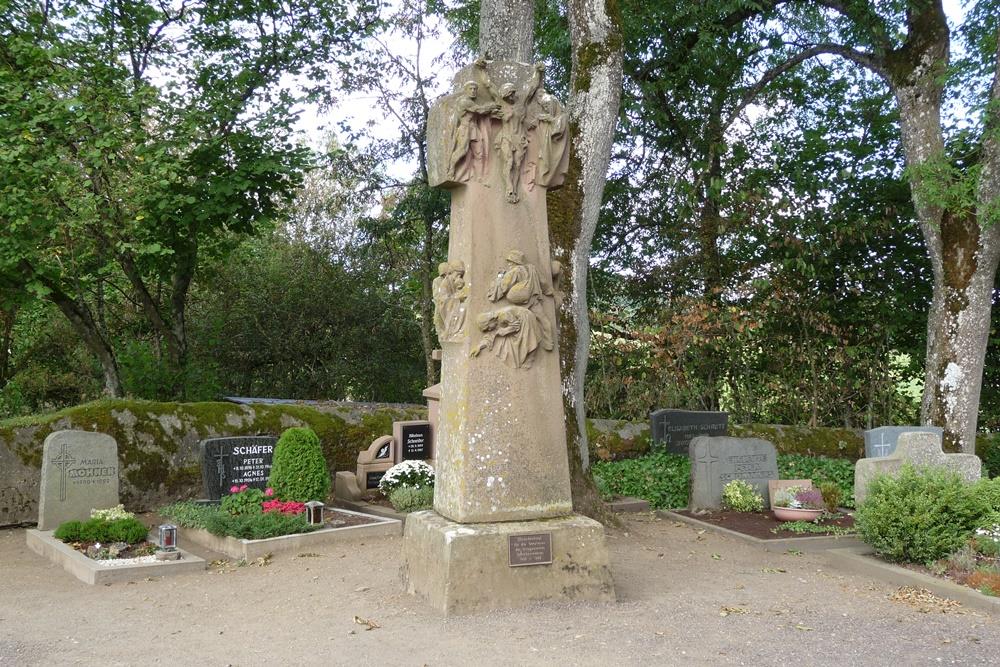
{"x":533,"y":549}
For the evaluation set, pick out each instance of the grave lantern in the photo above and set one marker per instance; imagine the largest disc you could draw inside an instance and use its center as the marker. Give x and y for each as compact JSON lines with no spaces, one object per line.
{"x":168,"y":537}
{"x":314,"y":512}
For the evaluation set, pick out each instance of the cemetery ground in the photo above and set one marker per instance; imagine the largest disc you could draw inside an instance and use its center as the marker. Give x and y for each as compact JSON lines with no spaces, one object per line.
{"x":685,"y":597}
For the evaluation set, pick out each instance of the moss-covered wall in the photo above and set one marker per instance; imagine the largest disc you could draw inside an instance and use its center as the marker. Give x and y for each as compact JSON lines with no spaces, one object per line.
{"x":158,"y":442}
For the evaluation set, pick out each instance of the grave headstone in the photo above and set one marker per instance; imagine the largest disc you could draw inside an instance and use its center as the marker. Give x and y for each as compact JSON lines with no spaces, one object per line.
{"x":228,"y":462}
{"x":674,"y":429}
{"x":918,"y":449}
{"x":374,"y":462}
{"x":79,"y":474}
{"x":717,"y":461}
{"x":882,"y":441}
{"x":414,"y":440}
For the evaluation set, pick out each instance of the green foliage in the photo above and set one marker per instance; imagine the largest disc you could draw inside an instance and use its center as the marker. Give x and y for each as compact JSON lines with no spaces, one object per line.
{"x":660,"y":478}
{"x":807,"y":527}
{"x":820,"y":469}
{"x":189,"y":514}
{"x":299,"y":471}
{"x":832,"y":493}
{"x":247,"y":501}
{"x":738,"y":495}
{"x":920,"y":515}
{"x":69,"y":531}
{"x":412,"y":498}
{"x":257,"y":526}
{"x":989,"y":491}
{"x":988,"y":449}
{"x":112,"y":513}
{"x":97,"y":529}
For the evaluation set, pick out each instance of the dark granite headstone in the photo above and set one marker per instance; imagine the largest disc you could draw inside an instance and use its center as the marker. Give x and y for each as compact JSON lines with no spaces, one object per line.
{"x":228,"y":462}
{"x":414,"y":440}
{"x":373,"y":478}
{"x":674,"y":429}
{"x":882,"y":441}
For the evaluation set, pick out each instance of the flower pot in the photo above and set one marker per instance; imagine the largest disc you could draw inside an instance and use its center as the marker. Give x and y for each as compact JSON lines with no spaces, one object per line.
{"x":791,"y":514}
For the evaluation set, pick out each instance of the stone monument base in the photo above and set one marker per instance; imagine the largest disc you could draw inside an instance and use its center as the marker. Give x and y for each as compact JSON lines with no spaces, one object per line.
{"x":462,"y":568}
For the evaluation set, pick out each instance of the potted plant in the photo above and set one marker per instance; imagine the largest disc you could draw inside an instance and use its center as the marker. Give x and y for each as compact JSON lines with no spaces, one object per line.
{"x":798,"y":504}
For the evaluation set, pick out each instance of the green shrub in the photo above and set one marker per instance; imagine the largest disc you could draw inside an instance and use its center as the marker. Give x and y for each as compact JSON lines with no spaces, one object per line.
{"x":738,"y":495}
{"x":246,"y":501}
{"x":412,"y":498}
{"x":920,"y":515}
{"x":989,"y":491}
{"x":989,"y":452}
{"x":68,"y":531}
{"x":129,"y":530}
{"x":832,"y":494}
{"x":660,"y":478}
{"x":257,"y":526}
{"x":820,"y":469}
{"x":299,"y":471}
{"x":94,"y":530}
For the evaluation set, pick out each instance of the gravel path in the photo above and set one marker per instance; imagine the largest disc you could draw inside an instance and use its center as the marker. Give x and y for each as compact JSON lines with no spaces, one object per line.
{"x":684,"y":598}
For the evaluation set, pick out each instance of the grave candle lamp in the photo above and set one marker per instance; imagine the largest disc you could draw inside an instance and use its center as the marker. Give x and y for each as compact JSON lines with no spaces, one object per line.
{"x":314,"y":512}
{"x":168,"y":537}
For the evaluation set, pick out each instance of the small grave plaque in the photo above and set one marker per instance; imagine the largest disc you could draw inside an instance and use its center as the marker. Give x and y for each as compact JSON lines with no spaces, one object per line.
{"x":674,"y":429}
{"x":373,"y":478}
{"x":414,"y":440}
{"x":228,"y":462}
{"x":533,"y":549}
{"x":882,"y":441}
{"x":79,"y":473}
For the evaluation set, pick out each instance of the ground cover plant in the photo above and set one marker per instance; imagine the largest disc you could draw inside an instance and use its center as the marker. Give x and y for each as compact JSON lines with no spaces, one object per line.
{"x":409,"y":486}
{"x":738,"y":495}
{"x":247,"y":525}
{"x":412,"y":499}
{"x":107,"y":534}
{"x":663,"y":479}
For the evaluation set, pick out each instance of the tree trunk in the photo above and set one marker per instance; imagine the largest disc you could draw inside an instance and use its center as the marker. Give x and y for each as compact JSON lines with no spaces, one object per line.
{"x":427,"y":300}
{"x":8,"y":317}
{"x":83,"y":323}
{"x":507,"y":30}
{"x":963,"y":253}
{"x":595,"y":92}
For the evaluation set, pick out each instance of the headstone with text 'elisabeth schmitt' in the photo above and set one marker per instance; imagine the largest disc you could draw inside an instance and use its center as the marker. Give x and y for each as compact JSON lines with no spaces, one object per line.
{"x":674,"y":429}
{"x":229,"y":462}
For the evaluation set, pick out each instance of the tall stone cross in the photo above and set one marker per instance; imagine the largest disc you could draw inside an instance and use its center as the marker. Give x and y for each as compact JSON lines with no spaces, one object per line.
{"x":499,"y":142}
{"x":64,"y":460}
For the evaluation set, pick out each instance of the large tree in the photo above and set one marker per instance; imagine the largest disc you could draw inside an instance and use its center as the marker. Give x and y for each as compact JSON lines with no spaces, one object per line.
{"x":140,"y":137}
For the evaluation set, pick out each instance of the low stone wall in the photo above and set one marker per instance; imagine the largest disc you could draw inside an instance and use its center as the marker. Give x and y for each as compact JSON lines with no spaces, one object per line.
{"x":158,"y":443}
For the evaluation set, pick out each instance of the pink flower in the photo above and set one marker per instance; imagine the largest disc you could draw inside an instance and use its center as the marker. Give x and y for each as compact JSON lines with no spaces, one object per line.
{"x":268,"y":492}
{"x":234,"y":489}
{"x":243,"y":488}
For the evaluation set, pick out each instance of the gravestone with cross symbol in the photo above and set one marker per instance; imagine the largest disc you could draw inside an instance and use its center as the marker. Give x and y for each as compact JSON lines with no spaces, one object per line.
{"x":717,"y":461}
{"x":79,"y":474}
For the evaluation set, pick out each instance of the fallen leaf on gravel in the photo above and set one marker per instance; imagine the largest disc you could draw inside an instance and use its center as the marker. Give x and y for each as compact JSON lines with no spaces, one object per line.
{"x":361,"y":589}
{"x":925,"y":601}
{"x":726,"y":611}
{"x":806,"y":628}
{"x":793,"y":552}
{"x":309,"y":555}
{"x":772,"y":570}
{"x":678,"y":524}
{"x":659,"y":634}
{"x":369,"y":623}
{"x":263,"y":561}
{"x":716,"y":557}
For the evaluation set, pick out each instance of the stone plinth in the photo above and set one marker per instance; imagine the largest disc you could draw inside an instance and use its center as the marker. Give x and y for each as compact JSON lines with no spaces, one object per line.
{"x":462,"y":568}
{"x":917,"y":449}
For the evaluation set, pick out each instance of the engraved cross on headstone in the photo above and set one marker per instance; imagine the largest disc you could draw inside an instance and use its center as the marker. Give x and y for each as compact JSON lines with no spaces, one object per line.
{"x":705,"y":460}
{"x":220,"y":466}
{"x":64,"y":460}
{"x":882,"y":447}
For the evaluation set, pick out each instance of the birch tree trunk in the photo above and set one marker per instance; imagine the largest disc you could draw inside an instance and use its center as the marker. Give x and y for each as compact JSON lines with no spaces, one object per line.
{"x":507,"y":30}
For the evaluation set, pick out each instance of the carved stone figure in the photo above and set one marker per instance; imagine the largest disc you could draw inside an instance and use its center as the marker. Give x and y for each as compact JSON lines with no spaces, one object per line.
{"x":553,"y":140}
{"x":513,"y":333}
{"x":511,"y":143}
{"x":450,"y":292}
{"x":471,"y":135}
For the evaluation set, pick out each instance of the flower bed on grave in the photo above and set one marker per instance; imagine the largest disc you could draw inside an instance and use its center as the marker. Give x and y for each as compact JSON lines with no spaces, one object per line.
{"x":764,"y":526}
{"x":112,"y":536}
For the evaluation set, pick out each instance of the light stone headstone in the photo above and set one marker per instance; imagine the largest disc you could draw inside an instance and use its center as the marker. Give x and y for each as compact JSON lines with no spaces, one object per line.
{"x":717,"y":461}
{"x":917,"y":449}
{"x":79,"y":474}
{"x":882,"y":441}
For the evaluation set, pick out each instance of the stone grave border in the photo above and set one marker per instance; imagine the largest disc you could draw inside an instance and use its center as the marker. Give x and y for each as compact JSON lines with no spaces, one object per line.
{"x":242,"y":549}
{"x":805,"y":543}
{"x":365,"y":507}
{"x":88,"y":571}
{"x":862,"y":561}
